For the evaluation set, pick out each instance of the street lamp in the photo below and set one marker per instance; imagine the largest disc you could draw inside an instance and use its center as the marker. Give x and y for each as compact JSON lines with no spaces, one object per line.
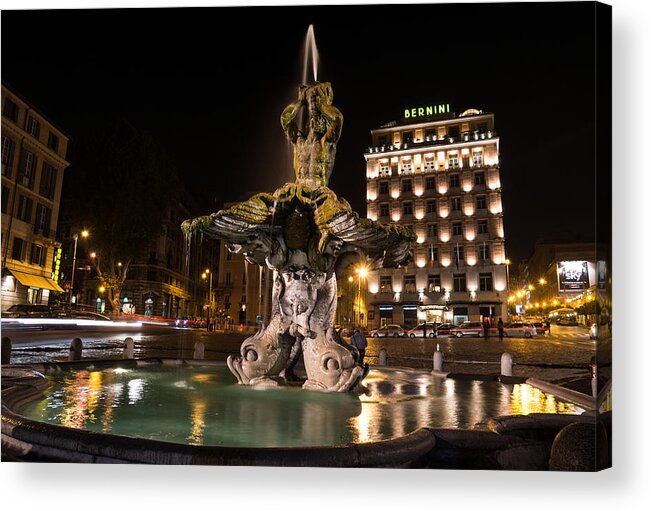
{"x":84,"y":234}
{"x":350,"y":300}
{"x":507,"y":262}
{"x":204,"y":276}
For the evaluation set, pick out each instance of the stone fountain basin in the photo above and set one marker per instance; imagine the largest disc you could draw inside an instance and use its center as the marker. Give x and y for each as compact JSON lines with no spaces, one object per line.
{"x":406,"y":418}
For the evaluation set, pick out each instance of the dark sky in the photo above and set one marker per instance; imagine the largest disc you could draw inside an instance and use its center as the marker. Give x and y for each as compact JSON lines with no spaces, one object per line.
{"x":210,"y":84}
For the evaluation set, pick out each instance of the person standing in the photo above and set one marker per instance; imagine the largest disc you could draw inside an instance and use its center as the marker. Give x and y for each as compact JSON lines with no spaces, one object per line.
{"x":485,"y":325}
{"x":500,"y":329}
{"x":359,"y":341}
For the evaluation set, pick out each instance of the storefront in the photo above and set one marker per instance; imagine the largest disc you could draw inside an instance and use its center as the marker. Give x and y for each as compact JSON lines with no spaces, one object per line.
{"x":21,"y":287}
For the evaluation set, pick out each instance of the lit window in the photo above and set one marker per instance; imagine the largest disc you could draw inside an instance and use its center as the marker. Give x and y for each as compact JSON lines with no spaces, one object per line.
{"x":434,"y":283}
{"x":410,"y":284}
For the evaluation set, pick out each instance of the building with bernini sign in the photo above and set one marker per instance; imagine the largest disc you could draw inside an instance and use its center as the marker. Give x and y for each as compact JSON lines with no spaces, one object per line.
{"x":439,"y":174}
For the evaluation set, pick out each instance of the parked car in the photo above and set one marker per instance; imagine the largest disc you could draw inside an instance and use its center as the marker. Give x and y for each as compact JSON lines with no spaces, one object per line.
{"x":388,"y":331}
{"x":444,"y":329}
{"x":429,"y":330}
{"x":519,"y":330}
{"x":468,"y":329}
{"x":27,"y":310}
{"x":540,"y":328}
{"x":594,"y":330}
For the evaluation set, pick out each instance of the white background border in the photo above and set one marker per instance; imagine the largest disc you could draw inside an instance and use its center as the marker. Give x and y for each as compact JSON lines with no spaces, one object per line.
{"x":626,"y":486}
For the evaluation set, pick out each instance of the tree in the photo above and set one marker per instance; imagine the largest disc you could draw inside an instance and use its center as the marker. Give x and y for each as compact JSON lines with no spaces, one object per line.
{"x":119,"y":185}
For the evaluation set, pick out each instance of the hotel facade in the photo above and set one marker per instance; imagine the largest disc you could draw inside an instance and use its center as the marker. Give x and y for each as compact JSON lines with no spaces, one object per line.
{"x":439,"y":174}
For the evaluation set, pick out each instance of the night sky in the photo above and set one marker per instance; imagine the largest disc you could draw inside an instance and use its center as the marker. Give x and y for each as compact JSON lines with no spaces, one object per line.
{"x":210,"y":84}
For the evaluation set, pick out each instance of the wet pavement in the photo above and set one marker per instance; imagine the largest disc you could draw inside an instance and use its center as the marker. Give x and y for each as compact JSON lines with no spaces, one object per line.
{"x":564,"y":354}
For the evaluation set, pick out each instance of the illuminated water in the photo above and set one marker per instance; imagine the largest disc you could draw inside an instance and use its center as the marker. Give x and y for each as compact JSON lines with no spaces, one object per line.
{"x":202,"y":406}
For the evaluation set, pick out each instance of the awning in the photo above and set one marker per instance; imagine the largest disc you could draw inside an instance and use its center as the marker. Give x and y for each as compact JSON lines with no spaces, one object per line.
{"x":29,"y":280}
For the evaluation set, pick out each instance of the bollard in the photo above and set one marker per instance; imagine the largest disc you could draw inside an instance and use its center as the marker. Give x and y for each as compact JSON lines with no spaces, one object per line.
{"x":6,"y":351}
{"x":199,"y":350}
{"x":128,"y":348}
{"x":438,"y":360}
{"x":506,"y":364}
{"x":76,"y":346}
{"x":593,"y":377}
{"x":383,"y":357}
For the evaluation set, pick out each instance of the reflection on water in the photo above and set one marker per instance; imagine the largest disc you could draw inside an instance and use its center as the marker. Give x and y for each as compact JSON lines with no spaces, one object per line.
{"x":202,"y":406}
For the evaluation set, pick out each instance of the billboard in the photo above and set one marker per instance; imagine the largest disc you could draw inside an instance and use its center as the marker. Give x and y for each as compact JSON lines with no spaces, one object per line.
{"x":573,"y":276}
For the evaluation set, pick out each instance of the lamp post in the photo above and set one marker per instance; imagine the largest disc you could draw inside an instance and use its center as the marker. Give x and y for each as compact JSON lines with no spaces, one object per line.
{"x":508,"y":278}
{"x":84,"y":234}
{"x":204,"y":276}
{"x":350,"y":301}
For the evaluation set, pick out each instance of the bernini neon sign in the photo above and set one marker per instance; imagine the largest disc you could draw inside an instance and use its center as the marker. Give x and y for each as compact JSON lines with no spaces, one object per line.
{"x":422,"y":111}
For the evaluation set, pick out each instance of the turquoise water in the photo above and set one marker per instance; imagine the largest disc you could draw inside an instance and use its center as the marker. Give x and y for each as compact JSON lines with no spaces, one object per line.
{"x":202,"y":406}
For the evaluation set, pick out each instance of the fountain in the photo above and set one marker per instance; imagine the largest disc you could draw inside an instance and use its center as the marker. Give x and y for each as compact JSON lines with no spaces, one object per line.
{"x":305,"y":234}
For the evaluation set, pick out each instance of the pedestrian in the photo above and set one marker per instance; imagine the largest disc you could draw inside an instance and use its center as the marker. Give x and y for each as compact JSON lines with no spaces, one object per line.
{"x":548,"y":326}
{"x":359,"y":341}
{"x":485,"y":325}
{"x":500,"y":329}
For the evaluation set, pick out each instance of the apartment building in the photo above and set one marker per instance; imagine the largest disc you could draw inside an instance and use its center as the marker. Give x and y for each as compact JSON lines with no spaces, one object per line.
{"x":34,"y":152}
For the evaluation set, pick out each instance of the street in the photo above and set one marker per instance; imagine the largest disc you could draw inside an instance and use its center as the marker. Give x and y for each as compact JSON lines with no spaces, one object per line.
{"x":566,"y":352}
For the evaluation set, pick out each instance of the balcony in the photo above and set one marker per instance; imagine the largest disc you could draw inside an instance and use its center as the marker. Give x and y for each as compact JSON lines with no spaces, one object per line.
{"x":431,"y":142}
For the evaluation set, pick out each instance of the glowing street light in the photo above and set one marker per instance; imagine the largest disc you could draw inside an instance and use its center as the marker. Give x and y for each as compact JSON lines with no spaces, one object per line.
{"x":84,"y":234}
{"x":204,"y":276}
{"x":542,"y":281}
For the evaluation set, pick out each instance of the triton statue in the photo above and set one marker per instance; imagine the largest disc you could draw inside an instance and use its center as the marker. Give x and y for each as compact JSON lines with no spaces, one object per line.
{"x":304,"y":233}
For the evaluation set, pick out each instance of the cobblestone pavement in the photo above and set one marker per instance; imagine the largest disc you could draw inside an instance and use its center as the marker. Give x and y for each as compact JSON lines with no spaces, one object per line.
{"x":566,"y":353}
